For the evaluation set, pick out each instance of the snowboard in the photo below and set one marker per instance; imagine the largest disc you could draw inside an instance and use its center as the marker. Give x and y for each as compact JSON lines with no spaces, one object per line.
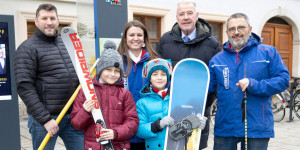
{"x":76,"y":52}
{"x":189,"y":87}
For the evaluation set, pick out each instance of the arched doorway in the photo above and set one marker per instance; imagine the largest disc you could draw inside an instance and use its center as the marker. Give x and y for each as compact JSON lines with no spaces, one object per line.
{"x":278,"y":33}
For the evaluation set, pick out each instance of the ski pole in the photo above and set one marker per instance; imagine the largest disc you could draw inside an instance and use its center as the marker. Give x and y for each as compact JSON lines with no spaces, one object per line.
{"x":65,"y":109}
{"x":246,"y":132}
{"x":245,"y":111}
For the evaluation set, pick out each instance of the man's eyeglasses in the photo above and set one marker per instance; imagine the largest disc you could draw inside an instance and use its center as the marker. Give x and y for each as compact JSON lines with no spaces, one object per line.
{"x":239,"y":28}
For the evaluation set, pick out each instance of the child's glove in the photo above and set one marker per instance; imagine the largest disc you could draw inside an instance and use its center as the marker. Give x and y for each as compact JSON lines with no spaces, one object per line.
{"x":166,"y":121}
{"x":202,"y":122}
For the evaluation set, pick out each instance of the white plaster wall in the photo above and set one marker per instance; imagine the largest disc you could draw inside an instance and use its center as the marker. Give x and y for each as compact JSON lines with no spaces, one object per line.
{"x":255,"y":9}
{"x":165,"y":4}
{"x":258,"y":11}
{"x":11,"y":7}
{"x":85,"y":15}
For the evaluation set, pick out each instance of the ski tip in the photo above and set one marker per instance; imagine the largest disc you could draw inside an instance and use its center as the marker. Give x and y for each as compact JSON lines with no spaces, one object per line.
{"x":65,"y":29}
{"x":110,"y":45}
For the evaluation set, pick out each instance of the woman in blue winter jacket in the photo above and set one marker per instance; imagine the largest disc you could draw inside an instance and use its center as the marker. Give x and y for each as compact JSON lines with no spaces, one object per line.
{"x":135,"y":49}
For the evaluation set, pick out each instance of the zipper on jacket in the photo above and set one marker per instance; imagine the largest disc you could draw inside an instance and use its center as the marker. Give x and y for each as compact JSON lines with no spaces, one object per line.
{"x":134,"y":66}
{"x":237,"y":60}
{"x":108,"y":108}
{"x":44,"y":93}
{"x":59,"y":50}
{"x":137,"y":63}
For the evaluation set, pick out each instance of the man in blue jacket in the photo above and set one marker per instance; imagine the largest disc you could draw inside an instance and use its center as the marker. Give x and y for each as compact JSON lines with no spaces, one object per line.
{"x":245,"y":65}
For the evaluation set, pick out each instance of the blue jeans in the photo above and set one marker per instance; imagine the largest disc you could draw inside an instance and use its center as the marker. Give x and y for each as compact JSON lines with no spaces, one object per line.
{"x":73,"y":139}
{"x":230,"y":143}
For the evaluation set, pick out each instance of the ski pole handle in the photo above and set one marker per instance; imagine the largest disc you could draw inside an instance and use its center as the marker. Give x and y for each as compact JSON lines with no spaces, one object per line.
{"x":66,"y":108}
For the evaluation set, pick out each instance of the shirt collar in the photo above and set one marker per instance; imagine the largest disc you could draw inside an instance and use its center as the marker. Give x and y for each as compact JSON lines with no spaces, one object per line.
{"x":191,"y":36}
{"x":135,"y":59}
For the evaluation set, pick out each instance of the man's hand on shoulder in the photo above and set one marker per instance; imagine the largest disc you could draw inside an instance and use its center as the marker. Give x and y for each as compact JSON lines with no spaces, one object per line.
{"x":52,"y":127}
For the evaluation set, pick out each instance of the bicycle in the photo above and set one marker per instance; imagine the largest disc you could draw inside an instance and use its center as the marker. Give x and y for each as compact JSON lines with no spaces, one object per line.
{"x":278,"y":105}
{"x":213,"y":111}
{"x":282,"y":100}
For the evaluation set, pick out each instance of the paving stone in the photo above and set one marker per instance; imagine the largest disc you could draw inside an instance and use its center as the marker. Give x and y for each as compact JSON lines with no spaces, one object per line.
{"x":287,"y":136}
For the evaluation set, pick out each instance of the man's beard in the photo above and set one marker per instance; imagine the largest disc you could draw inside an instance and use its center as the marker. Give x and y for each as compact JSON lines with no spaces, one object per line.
{"x":50,"y":34}
{"x":240,"y":44}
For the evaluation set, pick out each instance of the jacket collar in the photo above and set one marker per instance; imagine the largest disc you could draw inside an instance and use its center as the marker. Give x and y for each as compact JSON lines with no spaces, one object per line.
{"x":44,"y":37}
{"x":254,"y":40}
{"x":145,"y":56}
{"x":203,"y":30}
{"x":147,"y":91}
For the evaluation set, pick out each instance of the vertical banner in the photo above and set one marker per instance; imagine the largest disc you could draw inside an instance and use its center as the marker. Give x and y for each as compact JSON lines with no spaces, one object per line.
{"x":5,"y":84}
{"x":9,"y":105}
{"x":110,"y":19}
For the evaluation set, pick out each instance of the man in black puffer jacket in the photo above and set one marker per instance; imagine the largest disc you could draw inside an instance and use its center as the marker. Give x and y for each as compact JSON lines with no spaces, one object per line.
{"x":190,"y":37}
{"x":46,"y":79}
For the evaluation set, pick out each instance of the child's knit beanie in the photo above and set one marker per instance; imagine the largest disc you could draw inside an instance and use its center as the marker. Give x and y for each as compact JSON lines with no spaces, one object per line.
{"x":157,"y":64}
{"x":109,"y":58}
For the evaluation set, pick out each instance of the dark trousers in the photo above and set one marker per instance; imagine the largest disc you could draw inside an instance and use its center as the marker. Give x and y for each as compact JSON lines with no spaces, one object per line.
{"x":230,"y":143}
{"x":137,"y":146}
{"x":72,"y":138}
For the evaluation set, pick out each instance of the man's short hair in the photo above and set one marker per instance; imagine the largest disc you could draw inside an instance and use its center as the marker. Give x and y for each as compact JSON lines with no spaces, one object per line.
{"x":238,"y":15}
{"x":47,"y":7}
{"x":187,"y":1}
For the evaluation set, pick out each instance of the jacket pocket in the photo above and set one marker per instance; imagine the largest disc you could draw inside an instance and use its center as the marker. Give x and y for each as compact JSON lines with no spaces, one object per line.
{"x":268,"y":113}
{"x":261,"y":66}
{"x":257,"y":117}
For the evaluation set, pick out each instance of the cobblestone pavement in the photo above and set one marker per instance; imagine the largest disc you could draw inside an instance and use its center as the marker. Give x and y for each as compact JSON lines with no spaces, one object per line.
{"x":287,"y":136}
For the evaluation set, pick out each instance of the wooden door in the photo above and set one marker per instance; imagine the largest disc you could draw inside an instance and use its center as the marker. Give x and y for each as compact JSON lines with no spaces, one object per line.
{"x":153,"y":25}
{"x":281,"y":37}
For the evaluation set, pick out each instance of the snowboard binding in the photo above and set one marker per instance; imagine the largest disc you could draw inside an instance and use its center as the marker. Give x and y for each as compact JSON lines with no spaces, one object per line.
{"x":184,"y":127}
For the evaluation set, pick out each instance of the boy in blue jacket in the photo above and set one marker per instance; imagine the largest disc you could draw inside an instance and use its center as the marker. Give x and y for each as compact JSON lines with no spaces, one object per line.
{"x":153,"y":106}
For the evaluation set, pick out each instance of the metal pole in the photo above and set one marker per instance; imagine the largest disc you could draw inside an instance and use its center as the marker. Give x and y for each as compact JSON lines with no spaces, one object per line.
{"x":291,"y":101}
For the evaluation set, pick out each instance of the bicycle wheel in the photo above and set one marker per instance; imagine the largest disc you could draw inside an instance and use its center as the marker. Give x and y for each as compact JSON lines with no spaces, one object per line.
{"x":213,"y":108}
{"x":213,"y":111}
{"x":296,"y":99}
{"x":277,"y":108}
